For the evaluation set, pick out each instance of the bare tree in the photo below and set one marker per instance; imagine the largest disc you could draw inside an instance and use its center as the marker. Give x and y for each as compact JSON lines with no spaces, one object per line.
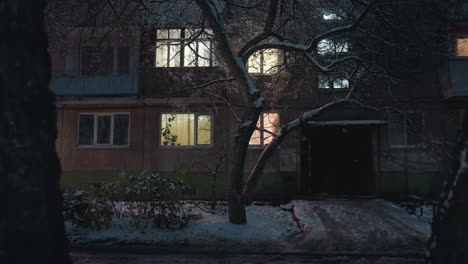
{"x":32,"y":227}
{"x":449,"y":239}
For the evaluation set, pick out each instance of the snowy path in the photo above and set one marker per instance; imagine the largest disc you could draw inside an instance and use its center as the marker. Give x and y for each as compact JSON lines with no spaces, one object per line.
{"x":334,"y":226}
{"x":119,"y":258}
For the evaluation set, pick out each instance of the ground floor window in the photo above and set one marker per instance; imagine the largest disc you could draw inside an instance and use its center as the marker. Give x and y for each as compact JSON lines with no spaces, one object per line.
{"x":106,"y":129}
{"x":186,"y":129}
{"x":405,"y":131}
{"x":268,"y":124}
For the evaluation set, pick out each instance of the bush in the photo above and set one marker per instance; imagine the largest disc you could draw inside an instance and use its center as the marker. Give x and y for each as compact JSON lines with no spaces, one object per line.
{"x":145,"y":197}
{"x":82,"y":211}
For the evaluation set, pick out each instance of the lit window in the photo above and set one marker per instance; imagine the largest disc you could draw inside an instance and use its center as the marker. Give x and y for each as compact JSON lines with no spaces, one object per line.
{"x":103,"y":129}
{"x":327,"y":82}
{"x":176,"y":48}
{"x":264,"y":62}
{"x":268,"y":122}
{"x":461,"y":47}
{"x":328,"y":46}
{"x":185,"y":129}
{"x":329,"y":16}
{"x":405,"y":132}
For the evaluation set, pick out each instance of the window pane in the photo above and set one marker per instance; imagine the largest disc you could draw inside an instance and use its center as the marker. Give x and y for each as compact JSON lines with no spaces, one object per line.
{"x":124,"y":60}
{"x":324,"y":83}
{"x":340,"y":83}
{"x":270,"y":123}
{"x":414,"y":129}
{"x":162,"y":34}
{"x":161,"y":54}
{"x":103,"y":129}
{"x":174,"y":33}
{"x":190,"y":55}
{"x":254,"y":63}
{"x":270,"y":61}
{"x":86,"y":130}
{"x":204,"y":53}
{"x":255,"y":139}
{"x":97,"y":60}
{"x":121,"y":129}
{"x":325,"y":46}
{"x":174,"y":54}
{"x":342,"y":47}
{"x":177,"y":129}
{"x":204,"y":130}
{"x":461,"y":47}
{"x":397,"y":134}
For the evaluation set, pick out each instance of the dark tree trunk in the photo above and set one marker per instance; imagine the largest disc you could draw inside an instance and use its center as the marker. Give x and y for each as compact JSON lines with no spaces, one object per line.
{"x":236,"y":203}
{"x":449,"y":241}
{"x":32,"y":227}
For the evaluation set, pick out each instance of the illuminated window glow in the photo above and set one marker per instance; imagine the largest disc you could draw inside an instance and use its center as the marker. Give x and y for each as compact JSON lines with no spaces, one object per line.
{"x":185,"y":129}
{"x":269,"y":122}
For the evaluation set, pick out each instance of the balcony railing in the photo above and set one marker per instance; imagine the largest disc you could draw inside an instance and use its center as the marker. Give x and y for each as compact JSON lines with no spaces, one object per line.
{"x":459,"y":77}
{"x":123,"y":85}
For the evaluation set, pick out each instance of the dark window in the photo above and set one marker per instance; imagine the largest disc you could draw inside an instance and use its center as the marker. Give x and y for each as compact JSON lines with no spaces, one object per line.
{"x":103,"y":129}
{"x":405,"y":131}
{"x":124,"y":60}
{"x":86,"y":130}
{"x":121,"y":129}
{"x":97,"y":60}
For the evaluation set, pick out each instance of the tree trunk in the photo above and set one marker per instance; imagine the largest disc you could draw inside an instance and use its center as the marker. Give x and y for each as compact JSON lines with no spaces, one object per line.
{"x":449,"y":240}
{"x":236,"y":203}
{"x":32,"y":226}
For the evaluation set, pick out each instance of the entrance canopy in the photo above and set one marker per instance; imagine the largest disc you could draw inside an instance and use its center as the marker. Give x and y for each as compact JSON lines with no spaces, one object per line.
{"x":348,"y":114}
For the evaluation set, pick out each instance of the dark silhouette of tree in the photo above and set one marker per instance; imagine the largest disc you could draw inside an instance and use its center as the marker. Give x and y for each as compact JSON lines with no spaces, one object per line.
{"x":32,"y":226}
{"x":449,"y":240}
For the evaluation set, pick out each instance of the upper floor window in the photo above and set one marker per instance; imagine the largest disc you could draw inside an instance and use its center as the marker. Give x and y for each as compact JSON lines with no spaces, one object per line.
{"x":99,"y":60}
{"x":268,"y":124}
{"x":328,"y":46}
{"x":184,"y":48}
{"x":185,"y":129}
{"x":264,"y":62}
{"x":103,"y":129}
{"x":405,"y":132}
{"x":329,"y":81}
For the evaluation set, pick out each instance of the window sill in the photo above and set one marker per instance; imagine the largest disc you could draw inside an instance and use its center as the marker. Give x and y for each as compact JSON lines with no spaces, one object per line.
{"x":407,"y":147}
{"x":102,"y":146}
{"x":186,"y":147}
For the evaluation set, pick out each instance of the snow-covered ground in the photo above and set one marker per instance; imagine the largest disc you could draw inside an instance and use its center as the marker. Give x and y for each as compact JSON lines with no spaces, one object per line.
{"x":358,"y":226}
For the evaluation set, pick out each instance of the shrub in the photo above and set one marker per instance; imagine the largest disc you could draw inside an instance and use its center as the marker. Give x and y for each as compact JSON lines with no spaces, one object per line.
{"x":145,"y":197}
{"x":82,"y":211}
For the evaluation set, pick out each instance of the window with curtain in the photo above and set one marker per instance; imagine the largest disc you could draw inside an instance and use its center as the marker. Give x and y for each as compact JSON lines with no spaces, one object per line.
{"x":268,"y":124}
{"x":186,"y":129}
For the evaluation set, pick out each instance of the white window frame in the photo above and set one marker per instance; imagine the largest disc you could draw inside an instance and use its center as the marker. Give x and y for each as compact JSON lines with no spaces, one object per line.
{"x":181,"y":43}
{"x":195,"y":132}
{"x":95,"y":144}
{"x":262,"y":143}
{"x":405,"y":133}
{"x":262,"y":63}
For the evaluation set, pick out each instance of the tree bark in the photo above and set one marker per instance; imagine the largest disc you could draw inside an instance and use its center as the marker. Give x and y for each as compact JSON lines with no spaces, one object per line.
{"x":449,"y":240}
{"x":32,"y":226}
{"x":236,"y":202}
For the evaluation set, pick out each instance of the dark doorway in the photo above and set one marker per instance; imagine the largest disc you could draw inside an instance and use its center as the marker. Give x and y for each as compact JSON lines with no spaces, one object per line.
{"x":337,"y":160}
